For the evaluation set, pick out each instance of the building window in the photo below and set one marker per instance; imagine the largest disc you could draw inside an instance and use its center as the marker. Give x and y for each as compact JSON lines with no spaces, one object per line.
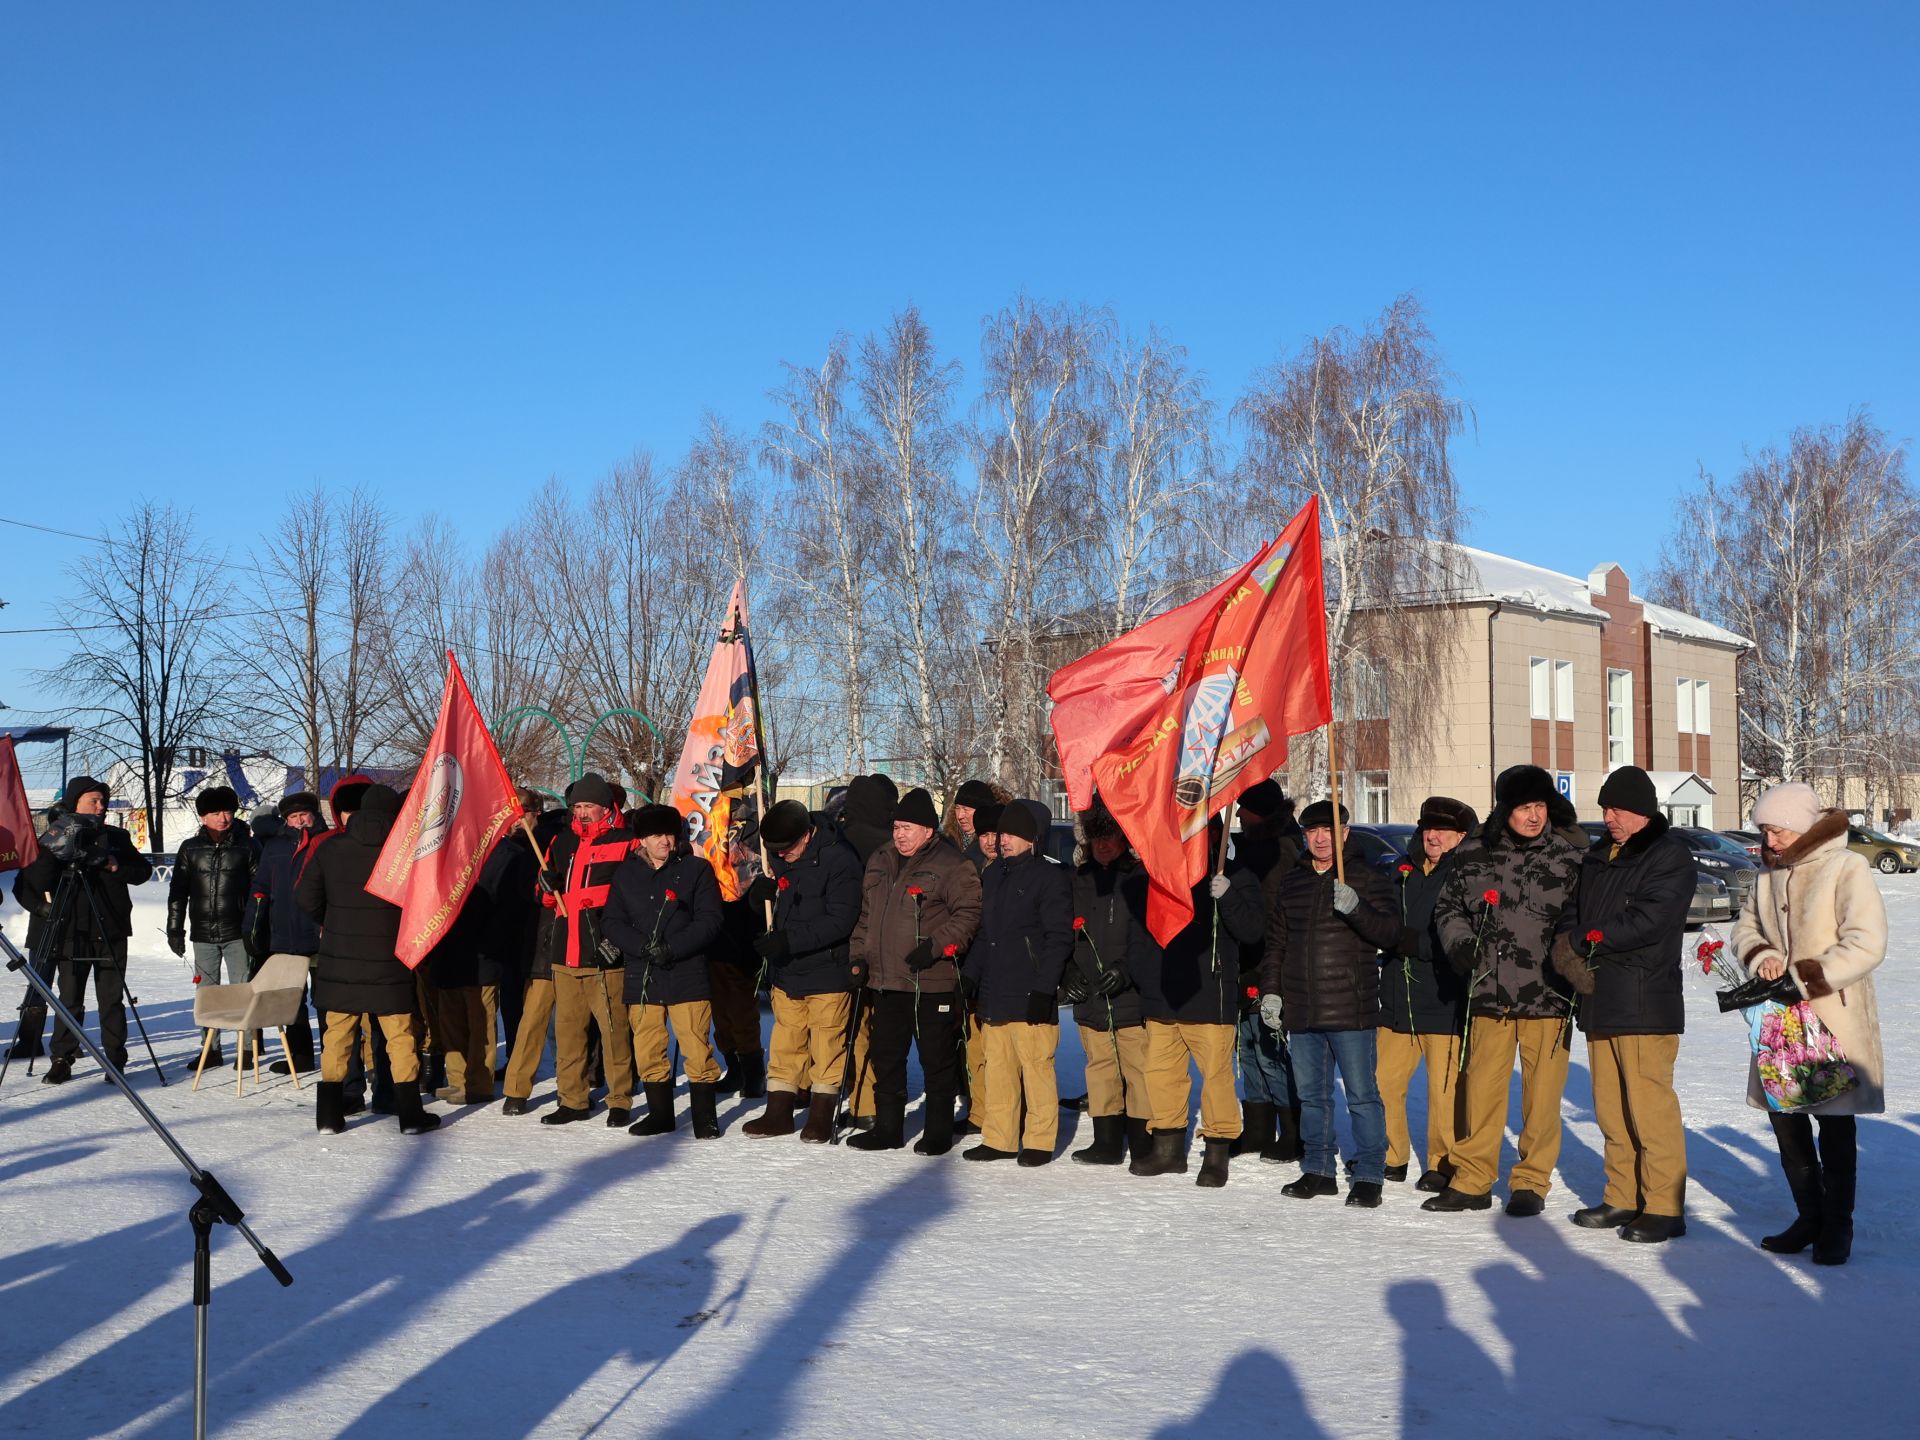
{"x":1563,"y":690}
{"x":1702,"y":709}
{"x":1366,"y":688}
{"x":1619,"y":718}
{"x":1540,"y":686}
{"x":1373,"y":798}
{"x":1683,"y":706}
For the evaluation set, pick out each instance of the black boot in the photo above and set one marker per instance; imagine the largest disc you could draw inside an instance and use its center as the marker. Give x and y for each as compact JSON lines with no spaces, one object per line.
{"x":729,"y":1081}
{"x":353,"y":1098}
{"x":889,"y":1127}
{"x":1647,"y":1229}
{"x":59,"y":1072}
{"x":819,"y":1127}
{"x":1839,"y":1165}
{"x":1794,"y":1133}
{"x":1285,"y":1147}
{"x":1109,"y":1141}
{"x":214,"y":1058}
{"x":28,"y":1046}
{"x":327,"y":1114}
{"x":703,"y":1104}
{"x":436,"y":1076}
{"x":776,"y":1119}
{"x":1213,"y":1169}
{"x":659,"y":1119}
{"x":937,"y":1137}
{"x":752,"y":1068}
{"x":1139,"y":1137}
{"x":1256,"y":1128}
{"x":1167,"y":1157}
{"x":406,"y":1105}
{"x":561,"y":1115}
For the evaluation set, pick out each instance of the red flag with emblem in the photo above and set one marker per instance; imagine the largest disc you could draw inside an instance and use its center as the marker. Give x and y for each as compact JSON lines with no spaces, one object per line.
{"x":459,"y":808}
{"x":19,"y":847}
{"x":1251,"y":674}
{"x":717,"y":784}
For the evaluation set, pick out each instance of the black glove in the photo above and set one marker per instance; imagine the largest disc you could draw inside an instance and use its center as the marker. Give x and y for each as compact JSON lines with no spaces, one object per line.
{"x":610,"y":955}
{"x":1408,"y":945}
{"x":857,"y":972}
{"x":920,"y":957}
{"x":763,"y":890}
{"x":1041,"y":1009}
{"x":1756,"y":991}
{"x":99,"y":857}
{"x":969,"y":987}
{"x":177,"y":941}
{"x":1073,"y":986}
{"x":1111,"y":982}
{"x":1461,"y":958}
{"x":660,"y":955}
{"x":773,"y":946}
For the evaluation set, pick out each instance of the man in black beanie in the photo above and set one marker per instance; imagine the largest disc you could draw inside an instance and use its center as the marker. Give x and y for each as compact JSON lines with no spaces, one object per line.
{"x":963,"y":816}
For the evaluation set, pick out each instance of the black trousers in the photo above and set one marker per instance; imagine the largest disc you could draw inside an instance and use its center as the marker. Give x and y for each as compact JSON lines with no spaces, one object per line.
{"x":938,"y":1042}
{"x":109,"y":996}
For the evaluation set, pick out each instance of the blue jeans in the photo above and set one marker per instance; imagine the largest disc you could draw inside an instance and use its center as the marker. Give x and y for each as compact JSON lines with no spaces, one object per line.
{"x":1316,"y":1054}
{"x":1266,"y":1074}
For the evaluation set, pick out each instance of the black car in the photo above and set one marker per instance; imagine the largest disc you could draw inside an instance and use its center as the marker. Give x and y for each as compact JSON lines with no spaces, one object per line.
{"x":1715,"y":854}
{"x":1385,"y":846}
{"x":1712,"y":894}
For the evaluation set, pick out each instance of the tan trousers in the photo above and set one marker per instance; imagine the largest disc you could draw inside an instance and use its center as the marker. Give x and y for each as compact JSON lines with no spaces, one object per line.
{"x":1639,"y":1115}
{"x":1492,"y":1044}
{"x":691,"y":1021}
{"x":1116,"y":1085}
{"x":581,"y":997}
{"x":1020,"y":1065}
{"x":809,"y":1045}
{"x":530,"y":1041}
{"x":979,"y":1061}
{"x":342,"y":1030}
{"x":1398,"y":1057}
{"x":1170,"y":1045}
{"x":464,"y":1018}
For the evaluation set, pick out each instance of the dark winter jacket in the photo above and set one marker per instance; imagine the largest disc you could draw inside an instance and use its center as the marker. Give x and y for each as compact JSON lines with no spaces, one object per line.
{"x":1111,"y":901}
{"x":1325,"y":966}
{"x":816,"y":908}
{"x":212,"y":881}
{"x":1267,"y":853}
{"x":358,"y":972}
{"x":1638,"y":900}
{"x":638,"y":913}
{"x":1025,"y":937}
{"x":1506,"y":945}
{"x":580,"y":865}
{"x":1195,"y":980}
{"x":893,"y":921}
{"x":275,"y":923}
{"x":105,"y":864}
{"x":493,"y":924}
{"x":1420,"y":993}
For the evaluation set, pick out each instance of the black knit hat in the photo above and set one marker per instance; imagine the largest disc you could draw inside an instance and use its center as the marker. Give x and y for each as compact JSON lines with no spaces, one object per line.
{"x":1630,"y":788}
{"x":986,"y":818}
{"x":657,"y":820}
{"x":786,"y":823}
{"x":974,"y":793}
{"x":78,"y":788}
{"x":1320,"y":814}
{"x":590,"y":789}
{"x":916,"y":808}
{"x":1263,"y":800}
{"x":870,"y":801}
{"x":216,"y":797}
{"x":300,"y":802}
{"x":1018,"y":820}
{"x":380,"y":800}
{"x":1443,"y":812}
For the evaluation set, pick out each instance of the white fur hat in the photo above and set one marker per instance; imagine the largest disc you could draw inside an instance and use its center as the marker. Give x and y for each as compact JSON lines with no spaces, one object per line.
{"x":1792,"y":806}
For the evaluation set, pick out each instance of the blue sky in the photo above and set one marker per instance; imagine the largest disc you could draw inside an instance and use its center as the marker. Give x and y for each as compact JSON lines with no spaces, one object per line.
{"x":450,"y":250}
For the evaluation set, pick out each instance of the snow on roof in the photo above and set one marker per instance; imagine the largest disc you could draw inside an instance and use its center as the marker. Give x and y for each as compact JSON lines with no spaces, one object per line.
{"x":1485,"y":576}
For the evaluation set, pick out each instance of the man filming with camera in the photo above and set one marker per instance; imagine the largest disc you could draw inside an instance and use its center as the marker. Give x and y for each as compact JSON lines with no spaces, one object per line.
{"x":75,"y":892}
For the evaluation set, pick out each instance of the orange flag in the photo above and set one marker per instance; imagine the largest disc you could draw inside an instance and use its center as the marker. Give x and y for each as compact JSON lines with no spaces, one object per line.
{"x":19,"y":847}
{"x":717,"y":784}
{"x":460,"y":806}
{"x":1251,"y":674}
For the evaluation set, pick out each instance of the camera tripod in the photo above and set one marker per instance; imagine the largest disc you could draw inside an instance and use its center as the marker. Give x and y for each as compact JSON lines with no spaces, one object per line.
{"x":60,"y":915}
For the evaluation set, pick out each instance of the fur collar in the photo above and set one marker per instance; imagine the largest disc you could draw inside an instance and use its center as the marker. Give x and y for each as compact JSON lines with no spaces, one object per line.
{"x":1827,"y":830}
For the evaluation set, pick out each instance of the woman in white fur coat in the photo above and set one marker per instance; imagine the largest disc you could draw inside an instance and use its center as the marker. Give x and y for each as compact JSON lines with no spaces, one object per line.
{"x":1817,"y":916}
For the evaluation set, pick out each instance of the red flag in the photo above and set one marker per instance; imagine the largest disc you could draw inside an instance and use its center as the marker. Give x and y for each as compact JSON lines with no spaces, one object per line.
{"x":1251,"y":674}
{"x":19,"y":846}
{"x":460,"y":806}
{"x":716,"y":786}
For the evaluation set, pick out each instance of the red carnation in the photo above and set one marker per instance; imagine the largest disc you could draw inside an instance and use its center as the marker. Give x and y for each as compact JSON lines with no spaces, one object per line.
{"x":782,"y":885}
{"x":915,"y":891}
{"x":1492,"y":897}
{"x":1594,"y":937}
{"x":950,"y":951}
{"x":1406,"y":869}
{"x":1079,"y":922}
{"x":1253,"y":992}
{"x":671,"y":897}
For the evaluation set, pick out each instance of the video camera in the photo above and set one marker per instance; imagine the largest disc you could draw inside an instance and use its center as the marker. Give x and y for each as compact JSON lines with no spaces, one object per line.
{"x":76,"y":840}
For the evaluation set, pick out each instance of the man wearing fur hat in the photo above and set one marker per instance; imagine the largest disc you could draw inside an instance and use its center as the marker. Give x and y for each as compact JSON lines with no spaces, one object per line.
{"x":1423,"y":999}
{"x":1497,"y":916}
{"x":212,"y":881}
{"x":1269,"y":1110}
{"x":1635,"y":886}
{"x":815,"y":893}
{"x":276,"y":925}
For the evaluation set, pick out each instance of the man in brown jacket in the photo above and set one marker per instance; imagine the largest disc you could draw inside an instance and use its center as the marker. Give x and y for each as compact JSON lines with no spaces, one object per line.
{"x":919,"y":908}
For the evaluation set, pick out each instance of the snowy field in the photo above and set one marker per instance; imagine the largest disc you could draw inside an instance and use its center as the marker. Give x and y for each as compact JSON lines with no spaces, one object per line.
{"x":498,"y":1278}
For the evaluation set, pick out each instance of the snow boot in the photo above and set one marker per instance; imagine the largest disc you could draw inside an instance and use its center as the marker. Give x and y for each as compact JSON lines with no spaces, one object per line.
{"x":889,"y":1127}
{"x":776,"y":1119}
{"x":819,"y":1127}
{"x":1525,"y":1204}
{"x":753,"y":1074}
{"x":215,"y":1060}
{"x":353,"y":1098}
{"x":1365,"y":1194}
{"x":1451,"y":1201}
{"x":1601,"y":1217}
{"x":1835,"y":1242}
{"x":1032,"y":1159}
{"x":1167,"y":1157}
{"x":729,"y":1081}
{"x":1139,"y":1137}
{"x":703,"y":1105}
{"x":936,"y":1137}
{"x":435,"y":1079}
{"x":988,"y":1152}
{"x":327,"y":1114}
{"x":59,"y":1072}
{"x":1794,"y":1134}
{"x":1397,"y":1174}
{"x":1256,"y":1128}
{"x":1076,"y":1103}
{"x":28,"y":1047}
{"x":406,"y":1106}
{"x":1653,"y":1229}
{"x":1310,"y":1185}
{"x":1213,"y":1169}
{"x":565,"y":1115}
{"x":514,"y":1105}
{"x":660,"y":1120}
{"x":1109,"y":1145}
{"x":1285,"y":1147}
{"x":618,"y":1116}
{"x":1433,"y":1182}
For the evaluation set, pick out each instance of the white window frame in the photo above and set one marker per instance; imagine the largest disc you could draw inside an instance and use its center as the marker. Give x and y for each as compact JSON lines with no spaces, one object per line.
{"x":1620,"y":738}
{"x":1563,"y":690}
{"x":1702,"y":708}
{"x":1539,"y":688}
{"x":1376,"y":797}
{"x":1683,"y":706}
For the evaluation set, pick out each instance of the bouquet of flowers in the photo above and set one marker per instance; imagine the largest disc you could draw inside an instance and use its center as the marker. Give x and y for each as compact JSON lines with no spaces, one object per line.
{"x":1800,"y":1063}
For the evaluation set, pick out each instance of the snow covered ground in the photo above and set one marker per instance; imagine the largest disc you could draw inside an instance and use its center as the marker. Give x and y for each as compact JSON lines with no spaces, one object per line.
{"x":501,"y":1279}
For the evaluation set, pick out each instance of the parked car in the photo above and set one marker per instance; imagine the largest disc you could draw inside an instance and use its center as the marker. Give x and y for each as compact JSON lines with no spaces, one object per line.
{"x":1060,"y":842}
{"x":1382,"y":848}
{"x":1888,"y":855}
{"x":1716,"y":854}
{"x":1748,"y":840}
{"x":1712,"y":899}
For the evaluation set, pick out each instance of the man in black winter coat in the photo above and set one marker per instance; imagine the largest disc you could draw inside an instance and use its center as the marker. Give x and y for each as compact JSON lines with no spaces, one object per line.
{"x":815,"y":892}
{"x":212,"y":882}
{"x":1423,"y":1000}
{"x":1269,"y":1109}
{"x":1321,"y":979}
{"x":1109,"y":895}
{"x":462,"y":973}
{"x":275,"y":923}
{"x":359,"y":972}
{"x":1013,"y":971}
{"x":97,"y":863}
{"x":1619,"y":947}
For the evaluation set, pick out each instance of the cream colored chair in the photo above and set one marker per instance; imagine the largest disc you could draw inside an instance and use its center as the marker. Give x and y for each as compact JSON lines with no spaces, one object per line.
{"x":269,"y":1001}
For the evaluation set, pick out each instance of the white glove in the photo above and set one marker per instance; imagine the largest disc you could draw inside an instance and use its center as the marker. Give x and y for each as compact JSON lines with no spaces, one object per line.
{"x":1218,"y":886}
{"x":1346,"y":899}
{"x":1270,"y":1011}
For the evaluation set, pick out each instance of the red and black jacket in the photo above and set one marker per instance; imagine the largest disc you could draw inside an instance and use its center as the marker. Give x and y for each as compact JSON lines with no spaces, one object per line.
{"x":579,"y":869}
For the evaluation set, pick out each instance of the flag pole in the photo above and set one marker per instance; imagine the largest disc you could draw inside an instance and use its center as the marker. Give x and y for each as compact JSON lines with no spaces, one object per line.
{"x":760,"y":747}
{"x":1226,"y":829}
{"x":1333,"y":770}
